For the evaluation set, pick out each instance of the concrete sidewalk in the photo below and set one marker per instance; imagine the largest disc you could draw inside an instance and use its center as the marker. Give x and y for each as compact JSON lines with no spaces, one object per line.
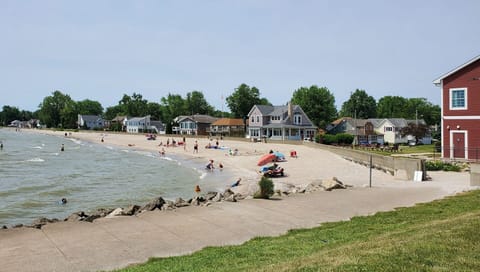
{"x":107,"y":244}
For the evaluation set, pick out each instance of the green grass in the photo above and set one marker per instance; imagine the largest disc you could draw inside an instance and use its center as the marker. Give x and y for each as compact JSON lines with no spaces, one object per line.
{"x":438,"y":236}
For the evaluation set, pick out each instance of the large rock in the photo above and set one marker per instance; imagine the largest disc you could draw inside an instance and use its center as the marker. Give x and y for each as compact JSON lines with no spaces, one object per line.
{"x":179,"y":202}
{"x":76,"y":216}
{"x":210,"y":195}
{"x":156,"y":203}
{"x":169,"y":205}
{"x":40,"y":222}
{"x":228,"y":193}
{"x":231,"y":198}
{"x":333,"y":183}
{"x":116,"y":212}
{"x":218,"y":197}
{"x":131,"y":210}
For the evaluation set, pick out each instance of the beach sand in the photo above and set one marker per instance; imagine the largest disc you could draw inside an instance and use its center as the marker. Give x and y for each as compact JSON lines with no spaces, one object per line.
{"x":310,"y":165}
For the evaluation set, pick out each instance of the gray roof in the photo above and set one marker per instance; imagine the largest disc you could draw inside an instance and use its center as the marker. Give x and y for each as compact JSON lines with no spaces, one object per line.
{"x":199,"y":118}
{"x":91,"y":118}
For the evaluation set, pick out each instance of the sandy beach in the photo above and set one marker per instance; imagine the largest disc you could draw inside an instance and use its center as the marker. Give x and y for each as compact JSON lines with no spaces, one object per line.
{"x":310,"y":165}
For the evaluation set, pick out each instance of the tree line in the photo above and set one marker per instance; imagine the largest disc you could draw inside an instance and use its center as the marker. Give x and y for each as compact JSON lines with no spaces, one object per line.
{"x":59,"y":111}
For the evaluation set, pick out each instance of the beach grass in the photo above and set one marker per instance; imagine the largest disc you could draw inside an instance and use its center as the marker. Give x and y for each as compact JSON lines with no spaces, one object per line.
{"x":438,"y":236}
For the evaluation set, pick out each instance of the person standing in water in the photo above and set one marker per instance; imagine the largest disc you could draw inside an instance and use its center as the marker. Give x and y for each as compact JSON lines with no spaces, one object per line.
{"x":62,"y":148}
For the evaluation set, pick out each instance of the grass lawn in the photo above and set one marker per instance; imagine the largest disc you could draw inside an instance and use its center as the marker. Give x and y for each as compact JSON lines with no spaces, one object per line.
{"x":438,"y":236}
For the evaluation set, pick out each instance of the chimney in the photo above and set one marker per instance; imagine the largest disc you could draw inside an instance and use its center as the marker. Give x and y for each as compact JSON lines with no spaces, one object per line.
{"x":290,"y":109}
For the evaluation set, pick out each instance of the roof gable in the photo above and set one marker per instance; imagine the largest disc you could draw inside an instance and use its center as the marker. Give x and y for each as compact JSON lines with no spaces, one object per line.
{"x":439,"y":80}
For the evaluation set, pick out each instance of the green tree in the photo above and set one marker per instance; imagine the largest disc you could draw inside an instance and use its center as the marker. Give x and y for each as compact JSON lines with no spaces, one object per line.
{"x":416,"y":130}
{"x":89,"y":107}
{"x":317,"y":103}
{"x":51,"y":109}
{"x":172,"y":106}
{"x":114,"y":111}
{"x":9,"y":114}
{"x":360,"y":105}
{"x":195,"y":103}
{"x":155,"y":111}
{"x":134,"y":105}
{"x":241,"y":101}
{"x":392,"y":107}
{"x":420,"y":108}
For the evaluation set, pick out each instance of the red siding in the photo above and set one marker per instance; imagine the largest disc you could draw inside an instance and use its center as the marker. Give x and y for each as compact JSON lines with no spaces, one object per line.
{"x":473,"y":136}
{"x":467,"y":77}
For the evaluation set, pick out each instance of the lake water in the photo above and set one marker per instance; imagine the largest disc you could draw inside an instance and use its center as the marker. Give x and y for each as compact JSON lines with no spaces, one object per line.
{"x":35,"y":175}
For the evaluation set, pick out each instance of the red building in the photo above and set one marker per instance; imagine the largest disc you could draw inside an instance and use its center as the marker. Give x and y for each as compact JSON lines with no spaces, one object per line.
{"x":461,"y":111}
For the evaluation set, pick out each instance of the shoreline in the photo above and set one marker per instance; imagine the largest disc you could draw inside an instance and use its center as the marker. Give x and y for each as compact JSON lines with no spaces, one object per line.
{"x":303,"y":173}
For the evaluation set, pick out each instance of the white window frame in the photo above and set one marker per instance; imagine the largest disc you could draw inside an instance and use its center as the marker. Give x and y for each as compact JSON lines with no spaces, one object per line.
{"x":465,"y":93}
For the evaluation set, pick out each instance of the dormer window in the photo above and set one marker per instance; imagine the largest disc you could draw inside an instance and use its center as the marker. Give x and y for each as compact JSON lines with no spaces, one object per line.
{"x":297,"y":119}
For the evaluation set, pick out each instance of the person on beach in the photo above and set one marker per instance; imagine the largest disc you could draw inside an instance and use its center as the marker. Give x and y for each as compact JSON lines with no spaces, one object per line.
{"x":236,"y":182}
{"x":220,"y":166}
{"x":168,"y":142}
{"x":210,"y":166}
{"x":162,"y":152}
{"x":195,"y":147}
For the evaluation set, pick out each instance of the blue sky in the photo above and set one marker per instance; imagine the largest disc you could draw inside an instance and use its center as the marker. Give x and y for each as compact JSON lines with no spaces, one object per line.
{"x":100,"y":50}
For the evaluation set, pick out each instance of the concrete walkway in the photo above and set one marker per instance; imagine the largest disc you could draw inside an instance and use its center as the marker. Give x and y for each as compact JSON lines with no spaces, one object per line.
{"x":107,"y":244}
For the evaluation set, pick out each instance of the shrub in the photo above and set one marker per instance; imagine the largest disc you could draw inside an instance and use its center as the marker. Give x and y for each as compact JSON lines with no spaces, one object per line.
{"x":344,"y":138}
{"x":439,"y":166}
{"x":266,"y":188}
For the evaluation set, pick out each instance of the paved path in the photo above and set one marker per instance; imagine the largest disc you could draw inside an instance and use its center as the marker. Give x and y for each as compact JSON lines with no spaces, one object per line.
{"x":113,"y":243}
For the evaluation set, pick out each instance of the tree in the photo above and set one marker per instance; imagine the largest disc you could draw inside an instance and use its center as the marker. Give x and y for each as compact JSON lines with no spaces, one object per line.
{"x":317,"y":103}
{"x":114,"y":111}
{"x":420,"y":108}
{"x":241,"y":101}
{"x":172,"y":106}
{"x":195,"y":103}
{"x":134,"y":105}
{"x":52,"y":111}
{"x":416,"y":130}
{"x":392,"y":107}
{"x":9,"y":114}
{"x":89,"y":107}
{"x":154,"y":110}
{"x":360,"y":105}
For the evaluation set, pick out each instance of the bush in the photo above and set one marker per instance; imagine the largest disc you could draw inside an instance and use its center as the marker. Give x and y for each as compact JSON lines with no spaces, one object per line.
{"x":344,"y":138}
{"x":266,"y":188}
{"x":439,"y":166}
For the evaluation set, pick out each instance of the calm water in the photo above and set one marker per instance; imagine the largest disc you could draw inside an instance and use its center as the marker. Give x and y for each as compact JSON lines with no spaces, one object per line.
{"x":35,"y":175}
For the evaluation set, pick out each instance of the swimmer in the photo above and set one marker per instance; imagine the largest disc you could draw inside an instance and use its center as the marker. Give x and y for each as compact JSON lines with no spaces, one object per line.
{"x":197,"y":189}
{"x":237,"y":182}
{"x":62,"y":148}
{"x":63,"y":201}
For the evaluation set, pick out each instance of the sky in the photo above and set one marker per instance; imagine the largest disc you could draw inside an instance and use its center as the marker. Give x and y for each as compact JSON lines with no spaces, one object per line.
{"x":101,"y":50}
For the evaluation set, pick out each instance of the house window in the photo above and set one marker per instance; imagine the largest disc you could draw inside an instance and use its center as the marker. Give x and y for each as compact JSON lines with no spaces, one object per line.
{"x":458,"y":99}
{"x":258,"y":119}
{"x":253,"y":119}
{"x":297,"y":119}
{"x":388,"y":128}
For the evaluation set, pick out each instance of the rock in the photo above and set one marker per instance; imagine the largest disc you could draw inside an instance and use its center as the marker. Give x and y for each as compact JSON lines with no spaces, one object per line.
{"x":156,"y":203}
{"x":231,"y":198}
{"x":169,"y":205}
{"x":210,"y":195}
{"x":40,"y":222}
{"x":17,"y":226}
{"x":116,"y":212}
{"x":131,"y":210}
{"x":333,"y":183}
{"x":218,"y":197}
{"x":228,"y":193}
{"x":239,"y":196}
{"x":91,"y":217}
{"x":76,"y":216}
{"x":179,"y":202}
{"x":4,"y":227}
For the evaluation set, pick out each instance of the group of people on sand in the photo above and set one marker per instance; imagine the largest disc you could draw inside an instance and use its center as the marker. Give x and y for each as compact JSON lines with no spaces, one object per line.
{"x":210,"y":165}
